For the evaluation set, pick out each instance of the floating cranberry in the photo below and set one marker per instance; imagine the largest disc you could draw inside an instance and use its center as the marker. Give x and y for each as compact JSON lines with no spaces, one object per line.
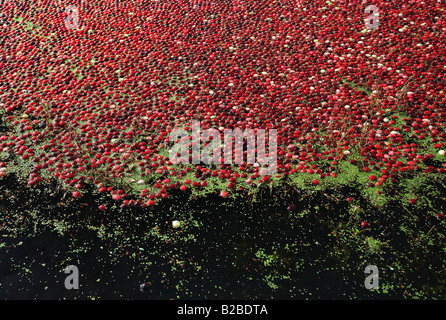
{"x":144,"y":287}
{"x":150,"y":203}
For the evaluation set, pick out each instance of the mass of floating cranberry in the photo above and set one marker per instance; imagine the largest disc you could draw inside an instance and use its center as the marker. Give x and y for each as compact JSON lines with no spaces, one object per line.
{"x":94,"y":104}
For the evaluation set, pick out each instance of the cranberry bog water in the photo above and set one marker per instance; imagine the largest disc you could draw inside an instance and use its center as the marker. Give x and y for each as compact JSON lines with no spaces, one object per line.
{"x":227,"y":149}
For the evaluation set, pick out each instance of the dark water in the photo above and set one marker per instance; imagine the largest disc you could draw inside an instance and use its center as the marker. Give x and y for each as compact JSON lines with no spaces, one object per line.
{"x":35,"y":270}
{"x":42,"y":275}
{"x":225,"y":250}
